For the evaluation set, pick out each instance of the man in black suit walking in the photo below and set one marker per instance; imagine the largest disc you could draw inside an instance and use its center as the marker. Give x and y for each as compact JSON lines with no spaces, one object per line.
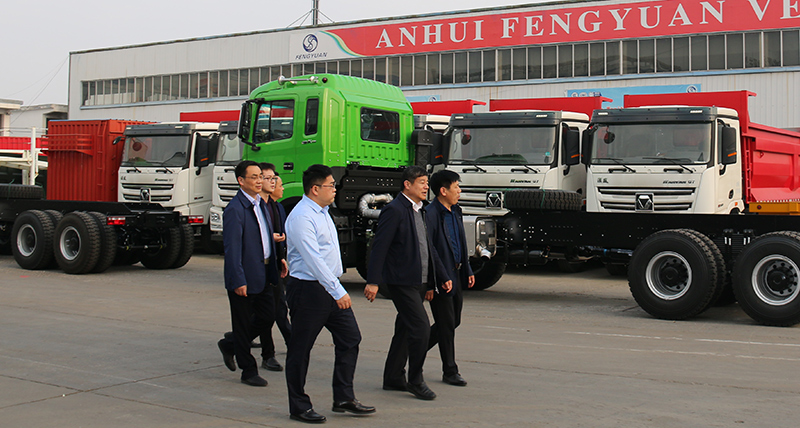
{"x":404,"y":258}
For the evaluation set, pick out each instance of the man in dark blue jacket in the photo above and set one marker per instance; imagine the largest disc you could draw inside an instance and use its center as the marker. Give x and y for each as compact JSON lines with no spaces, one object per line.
{"x":250,"y":265}
{"x":446,"y":229}
{"x":403,"y":258}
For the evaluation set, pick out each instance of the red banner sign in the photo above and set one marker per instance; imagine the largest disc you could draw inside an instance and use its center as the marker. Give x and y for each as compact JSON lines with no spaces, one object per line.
{"x":542,"y":25}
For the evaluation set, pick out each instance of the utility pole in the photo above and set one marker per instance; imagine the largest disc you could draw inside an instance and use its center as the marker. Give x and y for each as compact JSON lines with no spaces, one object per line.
{"x":315,"y":13}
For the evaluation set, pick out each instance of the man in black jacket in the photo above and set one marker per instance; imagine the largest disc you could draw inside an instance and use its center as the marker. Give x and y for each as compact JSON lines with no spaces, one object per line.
{"x":446,"y":229}
{"x":403,"y":258}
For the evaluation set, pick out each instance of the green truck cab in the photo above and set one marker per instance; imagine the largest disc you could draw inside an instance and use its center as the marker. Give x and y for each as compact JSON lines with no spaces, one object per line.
{"x":364,"y":130}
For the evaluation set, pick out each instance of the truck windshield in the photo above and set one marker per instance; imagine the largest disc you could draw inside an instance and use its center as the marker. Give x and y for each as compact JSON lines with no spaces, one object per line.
{"x":230,"y":150}
{"x":504,"y":146}
{"x":647,"y":144}
{"x":156,"y":150}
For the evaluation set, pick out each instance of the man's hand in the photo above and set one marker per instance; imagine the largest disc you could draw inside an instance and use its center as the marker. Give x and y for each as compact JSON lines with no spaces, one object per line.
{"x":344,"y":302}
{"x":279,"y":237}
{"x":470,"y":281}
{"x":429,"y":295}
{"x":241,"y":291}
{"x":285,"y":269}
{"x":370,"y":291}
{"x":447,"y":286}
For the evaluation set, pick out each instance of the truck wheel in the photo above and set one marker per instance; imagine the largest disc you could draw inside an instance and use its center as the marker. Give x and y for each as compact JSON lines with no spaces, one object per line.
{"x":723,"y":276}
{"x":164,"y":257}
{"x":32,"y":240}
{"x":187,"y":246}
{"x":766,"y":279}
{"x":77,"y":243}
{"x":539,"y":199}
{"x":673,"y":274}
{"x":487,"y":272}
{"x":56,"y":216}
{"x":20,"y":191}
{"x":209,"y":245}
{"x":108,"y":243}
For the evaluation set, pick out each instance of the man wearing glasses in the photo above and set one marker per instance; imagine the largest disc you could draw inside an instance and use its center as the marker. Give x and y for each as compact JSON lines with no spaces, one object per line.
{"x":317,"y":299}
{"x":250,"y":265}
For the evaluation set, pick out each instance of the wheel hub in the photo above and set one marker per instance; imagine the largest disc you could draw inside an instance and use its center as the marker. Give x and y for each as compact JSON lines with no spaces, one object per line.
{"x":668,"y":275}
{"x":775,"y":280}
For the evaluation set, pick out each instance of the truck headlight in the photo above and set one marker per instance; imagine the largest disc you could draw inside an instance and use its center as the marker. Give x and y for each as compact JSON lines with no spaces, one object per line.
{"x":486,"y":237}
{"x":215,"y":218}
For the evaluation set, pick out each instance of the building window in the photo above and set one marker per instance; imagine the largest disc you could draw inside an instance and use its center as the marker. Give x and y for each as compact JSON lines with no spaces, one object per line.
{"x":791,"y":48}
{"x":433,"y":69}
{"x":475,"y":66}
{"x":519,"y":61}
{"x":752,"y":50}
{"x":489,"y":66}
{"x":716,"y":52}
{"x":504,"y":62}
{"x":772,"y":49}
{"x":549,"y":62}
{"x":581,"y":59}
{"x":663,"y":55}
{"x":565,"y":61}
{"x":734,"y":49}
{"x":630,"y":57}
{"x":460,"y":67}
{"x":535,"y":63}
{"x":647,"y":56}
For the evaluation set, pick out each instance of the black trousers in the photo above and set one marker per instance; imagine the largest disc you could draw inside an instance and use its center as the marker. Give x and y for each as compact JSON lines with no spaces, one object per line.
{"x":411,"y":333}
{"x":249,"y":317}
{"x":313,"y":308}
{"x":281,"y":320}
{"x":446,"y":310}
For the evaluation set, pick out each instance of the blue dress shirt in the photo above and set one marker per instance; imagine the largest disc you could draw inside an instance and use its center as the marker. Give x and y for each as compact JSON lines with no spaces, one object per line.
{"x":266,"y":241}
{"x":313,"y":247}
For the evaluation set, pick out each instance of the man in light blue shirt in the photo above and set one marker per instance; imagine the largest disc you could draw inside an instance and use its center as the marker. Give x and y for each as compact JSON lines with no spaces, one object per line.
{"x":317,"y":299}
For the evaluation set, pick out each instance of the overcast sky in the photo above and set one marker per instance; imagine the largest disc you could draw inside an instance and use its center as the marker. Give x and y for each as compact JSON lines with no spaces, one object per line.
{"x":39,"y":35}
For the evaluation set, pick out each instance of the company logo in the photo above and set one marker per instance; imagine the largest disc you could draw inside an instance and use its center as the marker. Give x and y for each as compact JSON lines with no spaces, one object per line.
{"x":494,"y":199}
{"x":513,"y":181}
{"x":602,"y":180}
{"x":644,"y":202}
{"x":310,"y":43}
{"x":144,"y":194}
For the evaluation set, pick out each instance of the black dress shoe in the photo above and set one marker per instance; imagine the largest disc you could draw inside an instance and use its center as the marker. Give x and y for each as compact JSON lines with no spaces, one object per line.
{"x":421,"y":391}
{"x":395,"y":387}
{"x":272,"y":364}
{"x":227,"y":357}
{"x":309,"y":416}
{"x":255,"y":381}
{"x":455,"y":379}
{"x":353,"y":406}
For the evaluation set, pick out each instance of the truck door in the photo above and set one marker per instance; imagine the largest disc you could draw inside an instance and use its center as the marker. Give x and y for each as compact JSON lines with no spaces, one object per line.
{"x":310,"y":149}
{"x":277,"y":128}
{"x":729,"y":184}
{"x":201,"y":181}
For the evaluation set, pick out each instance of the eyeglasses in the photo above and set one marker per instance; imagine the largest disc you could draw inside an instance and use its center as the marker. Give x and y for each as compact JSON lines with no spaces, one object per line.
{"x":332,"y":186}
{"x":273,"y":178}
{"x":255,"y":177}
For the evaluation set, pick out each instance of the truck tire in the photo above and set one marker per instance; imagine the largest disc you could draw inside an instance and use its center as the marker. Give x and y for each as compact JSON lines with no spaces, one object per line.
{"x":20,"y":191}
{"x":487,"y":272}
{"x":164,"y":257}
{"x":77,"y":243}
{"x":56,"y":216}
{"x":766,"y":279}
{"x":539,"y":199}
{"x":108,"y":243}
{"x":32,"y":240}
{"x":673,"y":274}
{"x":723,"y":276}
{"x":187,"y":246}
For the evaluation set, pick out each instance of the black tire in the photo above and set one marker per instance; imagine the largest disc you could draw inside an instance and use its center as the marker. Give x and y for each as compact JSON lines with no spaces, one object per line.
{"x":20,"y":191}
{"x":56,"y":216}
{"x":673,"y":274}
{"x":32,"y":240}
{"x":539,"y":199}
{"x":617,"y":269}
{"x":723,"y":276}
{"x":164,"y":257}
{"x":187,"y":246}
{"x":108,"y":243}
{"x":487,"y":272}
{"x":766,"y":279}
{"x":210,"y":246}
{"x":77,"y":243}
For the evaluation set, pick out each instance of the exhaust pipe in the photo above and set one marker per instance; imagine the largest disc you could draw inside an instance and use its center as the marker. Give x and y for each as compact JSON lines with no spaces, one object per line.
{"x":372,"y":199}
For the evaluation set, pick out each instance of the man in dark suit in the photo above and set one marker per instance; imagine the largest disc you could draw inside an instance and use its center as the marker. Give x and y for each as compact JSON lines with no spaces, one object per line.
{"x":403,"y":258}
{"x":250,"y":265}
{"x":446,"y":229}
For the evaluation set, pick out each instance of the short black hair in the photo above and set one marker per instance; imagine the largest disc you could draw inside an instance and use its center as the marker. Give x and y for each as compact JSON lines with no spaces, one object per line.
{"x":412,"y":173}
{"x":315,"y":175}
{"x":268,"y":166}
{"x":444,"y":178}
{"x":241,"y":168}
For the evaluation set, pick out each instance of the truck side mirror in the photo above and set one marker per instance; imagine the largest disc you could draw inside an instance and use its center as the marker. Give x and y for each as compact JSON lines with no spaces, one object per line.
{"x":437,"y":152}
{"x":423,"y":139}
{"x":729,"y":145}
{"x":571,"y":155}
{"x":201,"y":153}
{"x":586,"y":146}
{"x":245,"y":120}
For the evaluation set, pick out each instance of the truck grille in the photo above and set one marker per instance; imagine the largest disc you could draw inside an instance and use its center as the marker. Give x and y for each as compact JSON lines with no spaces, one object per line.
{"x":227,"y":191}
{"x":475,"y":196}
{"x":624,"y":198}
{"x":133,"y":192}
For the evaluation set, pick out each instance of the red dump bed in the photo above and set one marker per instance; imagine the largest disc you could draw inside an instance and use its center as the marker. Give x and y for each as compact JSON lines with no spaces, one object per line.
{"x":770,"y":156}
{"x":446,"y":108}
{"x":82,"y":161}
{"x":585,"y":105}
